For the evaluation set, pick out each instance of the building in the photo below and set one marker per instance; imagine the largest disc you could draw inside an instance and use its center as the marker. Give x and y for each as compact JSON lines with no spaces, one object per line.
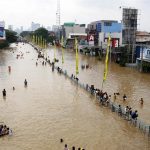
{"x":34,"y":26}
{"x":55,"y":28}
{"x":143,"y":51}
{"x":21,"y":29}
{"x":143,"y":61}
{"x":48,"y":28}
{"x":2,"y":31}
{"x":70,"y":31}
{"x":101,"y":30}
{"x":142,"y":37}
{"x":129,"y":21}
{"x":10,"y":27}
{"x":70,"y":28}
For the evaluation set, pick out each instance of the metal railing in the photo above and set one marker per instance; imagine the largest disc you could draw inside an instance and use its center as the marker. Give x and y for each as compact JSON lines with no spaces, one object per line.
{"x":111,"y":105}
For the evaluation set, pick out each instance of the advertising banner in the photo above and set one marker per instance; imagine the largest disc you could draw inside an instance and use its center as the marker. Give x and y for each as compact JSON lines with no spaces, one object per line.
{"x":146,"y":53}
{"x":91,"y":39}
{"x":115,"y":43}
{"x":1,"y":32}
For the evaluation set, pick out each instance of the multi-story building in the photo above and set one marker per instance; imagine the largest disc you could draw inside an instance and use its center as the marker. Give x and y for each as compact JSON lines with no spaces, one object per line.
{"x":102,"y":29}
{"x":69,"y":29}
{"x":10,"y":27}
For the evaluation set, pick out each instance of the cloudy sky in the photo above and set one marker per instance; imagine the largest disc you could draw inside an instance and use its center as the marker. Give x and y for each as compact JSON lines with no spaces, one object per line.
{"x":23,"y":12}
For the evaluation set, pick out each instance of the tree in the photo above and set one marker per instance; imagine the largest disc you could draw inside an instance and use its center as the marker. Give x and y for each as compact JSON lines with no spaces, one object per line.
{"x":11,"y":36}
{"x":41,"y":32}
{"x":25,"y":33}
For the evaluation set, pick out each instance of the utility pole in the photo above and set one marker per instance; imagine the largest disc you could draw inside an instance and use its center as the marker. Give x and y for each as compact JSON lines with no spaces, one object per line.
{"x":58,"y":19}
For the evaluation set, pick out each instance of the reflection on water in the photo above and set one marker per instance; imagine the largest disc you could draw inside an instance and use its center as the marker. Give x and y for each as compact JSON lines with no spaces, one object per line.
{"x":52,"y":107}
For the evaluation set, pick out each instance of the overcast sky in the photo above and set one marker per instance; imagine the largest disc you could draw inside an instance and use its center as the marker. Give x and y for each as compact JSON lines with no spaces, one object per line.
{"x":23,"y":12}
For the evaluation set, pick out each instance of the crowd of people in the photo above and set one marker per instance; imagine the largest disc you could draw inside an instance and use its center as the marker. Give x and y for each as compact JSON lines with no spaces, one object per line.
{"x":105,"y":99}
{"x":85,"y":66}
{"x":4,"y":130}
{"x":73,"y":147}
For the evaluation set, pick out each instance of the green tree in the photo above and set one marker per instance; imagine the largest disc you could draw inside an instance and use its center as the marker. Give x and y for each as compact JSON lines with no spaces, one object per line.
{"x":41,"y":32}
{"x":25,"y":33}
{"x":11,"y":36}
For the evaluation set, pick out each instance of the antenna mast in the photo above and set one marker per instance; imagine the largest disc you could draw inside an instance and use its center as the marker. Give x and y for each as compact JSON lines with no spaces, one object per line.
{"x":58,"y":14}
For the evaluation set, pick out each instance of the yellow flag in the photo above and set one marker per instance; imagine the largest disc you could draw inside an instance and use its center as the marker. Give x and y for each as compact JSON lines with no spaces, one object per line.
{"x":45,"y":44}
{"x":106,"y":59}
{"x":38,"y":41}
{"x":77,"y":57}
{"x":41,"y":41}
{"x":33,"y":38}
{"x":55,"y":52}
{"x":62,"y":43}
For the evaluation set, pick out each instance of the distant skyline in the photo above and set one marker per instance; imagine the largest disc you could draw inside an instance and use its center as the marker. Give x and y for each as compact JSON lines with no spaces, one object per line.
{"x":23,"y":12}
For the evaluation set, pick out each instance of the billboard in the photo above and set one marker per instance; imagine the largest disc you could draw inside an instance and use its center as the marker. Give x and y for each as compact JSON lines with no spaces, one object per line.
{"x":91,"y":39}
{"x":146,"y":53}
{"x":115,"y":43}
{"x":2,"y":30}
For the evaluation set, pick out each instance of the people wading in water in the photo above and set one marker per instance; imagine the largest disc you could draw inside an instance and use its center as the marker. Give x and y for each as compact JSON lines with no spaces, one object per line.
{"x":25,"y":82}
{"x":4,"y":92}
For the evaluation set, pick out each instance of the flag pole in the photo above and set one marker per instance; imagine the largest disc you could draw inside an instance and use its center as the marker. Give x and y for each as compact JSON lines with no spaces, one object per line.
{"x":106,"y":61}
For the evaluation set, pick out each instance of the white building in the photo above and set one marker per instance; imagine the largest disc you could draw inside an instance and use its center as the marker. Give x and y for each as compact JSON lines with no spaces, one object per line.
{"x":34,"y":26}
{"x":72,"y":28}
{"x":10,"y":27}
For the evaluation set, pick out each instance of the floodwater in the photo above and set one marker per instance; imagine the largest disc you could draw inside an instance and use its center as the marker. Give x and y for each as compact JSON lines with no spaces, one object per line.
{"x":53,"y":107}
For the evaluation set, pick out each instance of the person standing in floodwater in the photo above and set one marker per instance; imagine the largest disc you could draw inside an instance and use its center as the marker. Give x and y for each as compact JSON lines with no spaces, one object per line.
{"x":9,"y":68}
{"x":4,"y":92}
{"x":141,"y":101}
{"x":66,"y":147}
{"x":25,"y":82}
{"x":52,"y":66}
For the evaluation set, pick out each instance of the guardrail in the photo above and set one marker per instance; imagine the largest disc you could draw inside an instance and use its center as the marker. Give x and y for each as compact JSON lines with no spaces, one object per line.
{"x":111,"y":105}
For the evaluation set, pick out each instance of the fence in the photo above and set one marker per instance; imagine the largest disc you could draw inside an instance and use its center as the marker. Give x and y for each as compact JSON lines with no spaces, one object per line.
{"x":111,"y":105}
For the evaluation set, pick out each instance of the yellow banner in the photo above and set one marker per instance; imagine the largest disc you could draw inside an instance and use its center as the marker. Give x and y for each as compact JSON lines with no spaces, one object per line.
{"x":77,"y":57}
{"x":38,"y":41}
{"x":62,"y":43}
{"x":41,"y":43}
{"x":55,"y":52}
{"x":106,"y":59}
{"x":45,"y":44}
{"x":33,"y":38}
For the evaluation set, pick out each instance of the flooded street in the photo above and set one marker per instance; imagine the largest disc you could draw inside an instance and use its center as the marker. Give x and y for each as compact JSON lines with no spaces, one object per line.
{"x":53,"y":107}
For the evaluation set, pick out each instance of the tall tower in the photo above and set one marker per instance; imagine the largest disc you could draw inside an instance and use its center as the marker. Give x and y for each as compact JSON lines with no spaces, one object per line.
{"x":129,"y":20}
{"x":58,"y":14}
